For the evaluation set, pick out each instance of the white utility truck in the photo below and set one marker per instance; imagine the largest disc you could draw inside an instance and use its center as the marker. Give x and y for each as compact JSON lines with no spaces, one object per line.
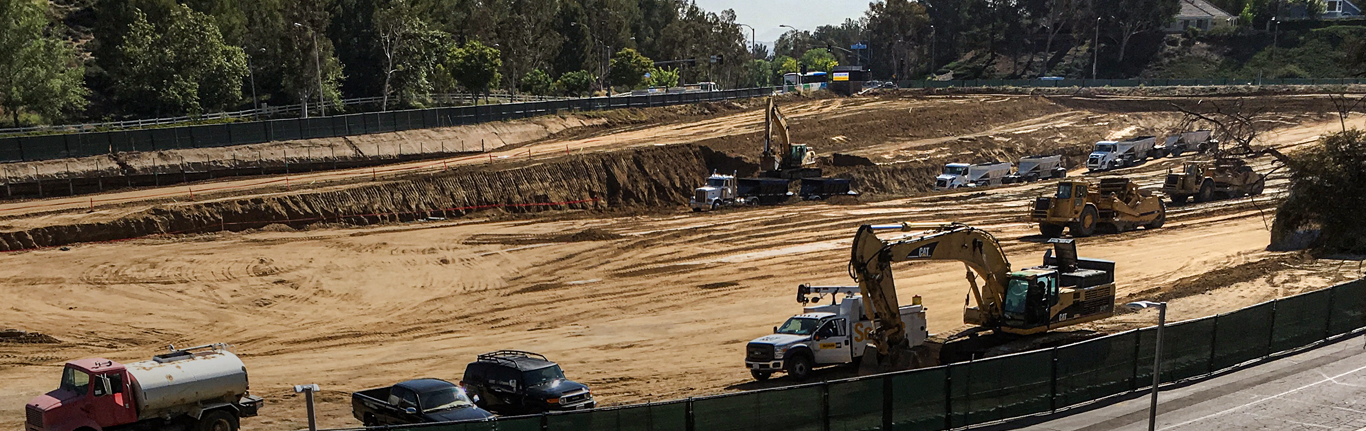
{"x":975,"y":175}
{"x":1121,"y":154}
{"x":1197,"y":141}
{"x":1034,"y":168}
{"x":832,"y":334}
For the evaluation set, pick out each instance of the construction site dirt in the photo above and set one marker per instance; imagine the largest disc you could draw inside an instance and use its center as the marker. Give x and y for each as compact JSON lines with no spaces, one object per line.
{"x":633,"y":294}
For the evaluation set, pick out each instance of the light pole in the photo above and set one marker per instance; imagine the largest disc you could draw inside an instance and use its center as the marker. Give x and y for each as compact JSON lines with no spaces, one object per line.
{"x":308,"y":391}
{"x":317,"y":62}
{"x":255,"y":102}
{"x":752,"y":43}
{"x":1157,"y":354}
{"x":1095,"y":46}
{"x":1275,"y":37}
{"x":934,"y":45}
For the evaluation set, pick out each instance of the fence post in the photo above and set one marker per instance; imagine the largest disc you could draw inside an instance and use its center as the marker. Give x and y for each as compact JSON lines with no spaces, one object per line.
{"x":1053,"y":383}
{"x":887,"y":403}
{"x":1271,"y":334}
{"x":948,"y":397}
{"x":689,"y":422}
{"x":825,"y":406}
{"x":1213,"y":343}
{"x":1328,"y":323}
{"x":545,"y":421}
{"x":1138,"y":341}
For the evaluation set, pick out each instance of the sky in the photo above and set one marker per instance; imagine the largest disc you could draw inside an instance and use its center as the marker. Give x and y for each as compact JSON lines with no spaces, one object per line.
{"x":766,"y":15}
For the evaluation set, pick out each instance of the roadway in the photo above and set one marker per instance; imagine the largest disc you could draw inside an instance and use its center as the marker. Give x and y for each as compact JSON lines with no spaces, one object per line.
{"x":1319,"y":389}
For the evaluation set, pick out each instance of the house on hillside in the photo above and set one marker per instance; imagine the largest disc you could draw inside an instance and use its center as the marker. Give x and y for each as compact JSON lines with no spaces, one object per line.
{"x":1333,"y":9}
{"x":1199,"y":14}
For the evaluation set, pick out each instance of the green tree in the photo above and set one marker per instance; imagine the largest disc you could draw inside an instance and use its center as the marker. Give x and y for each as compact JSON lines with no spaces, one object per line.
{"x":178,"y":66}
{"x":576,"y":83}
{"x":536,"y":82}
{"x":1130,"y":18}
{"x":475,"y":66}
{"x":629,"y":68}
{"x":309,"y":66}
{"x":899,"y":31}
{"x":819,"y":60}
{"x":38,"y":73}
{"x":758,"y":73}
{"x":663,"y":77}
{"x":410,"y":51}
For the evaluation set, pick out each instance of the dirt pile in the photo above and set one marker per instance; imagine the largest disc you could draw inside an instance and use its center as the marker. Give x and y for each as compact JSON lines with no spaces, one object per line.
{"x":663,"y":176}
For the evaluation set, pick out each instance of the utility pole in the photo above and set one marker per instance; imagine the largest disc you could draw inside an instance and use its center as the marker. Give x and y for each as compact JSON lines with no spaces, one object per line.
{"x":1095,"y":46}
{"x":934,"y":42}
{"x":318,"y":64}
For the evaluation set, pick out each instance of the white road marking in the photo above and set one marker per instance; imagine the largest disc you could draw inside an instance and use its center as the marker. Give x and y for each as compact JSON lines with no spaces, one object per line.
{"x":1248,"y":404}
{"x":1307,"y":424}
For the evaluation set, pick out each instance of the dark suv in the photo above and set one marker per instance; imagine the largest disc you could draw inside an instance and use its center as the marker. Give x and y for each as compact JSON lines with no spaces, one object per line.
{"x":512,"y":382}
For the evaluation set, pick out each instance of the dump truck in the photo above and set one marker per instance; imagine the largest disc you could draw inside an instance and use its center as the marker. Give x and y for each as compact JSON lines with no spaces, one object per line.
{"x":824,"y":188}
{"x":1213,"y":179}
{"x":1034,"y":168}
{"x":1109,"y":155}
{"x":1113,"y":205}
{"x":837,"y":333}
{"x":1188,"y":142}
{"x":201,"y":388}
{"x":721,"y":190}
{"x":957,"y":175}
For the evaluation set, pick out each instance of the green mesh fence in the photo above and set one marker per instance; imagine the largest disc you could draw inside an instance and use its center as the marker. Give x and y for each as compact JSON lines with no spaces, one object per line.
{"x":1349,"y":308}
{"x":1242,"y":335}
{"x":1095,"y":368}
{"x":1000,"y":388}
{"x":1186,"y":351}
{"x":466,"y":426}
{"x":793,"y":409}
{"x":670,"y":416}
{"x":1300,"y":320}
{"x":856,"y":405}
{"x":918,"y":399}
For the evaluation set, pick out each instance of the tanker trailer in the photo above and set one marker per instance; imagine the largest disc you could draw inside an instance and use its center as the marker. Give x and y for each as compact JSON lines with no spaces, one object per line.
{"x":201,"y":388}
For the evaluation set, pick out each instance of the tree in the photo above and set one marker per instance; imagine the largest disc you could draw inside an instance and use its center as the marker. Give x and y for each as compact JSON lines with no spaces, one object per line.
{"x":38,"y":73}
{"x":793,"y":43}
{"x":758,"y":73}
{"x":1133,"y":17}
{"x":663,"y":77}
{"x":309,"y":66}
{"x":629,"y":68}
{"x":899,"y":30}
{"x":409,"y":50}
{"x":536,"y":82}
{"x":576,"y":83}
{"x":528,"y":37}
{"x":475,"y":66}
{"x":178,"y":66}
{"x":819,"y":60}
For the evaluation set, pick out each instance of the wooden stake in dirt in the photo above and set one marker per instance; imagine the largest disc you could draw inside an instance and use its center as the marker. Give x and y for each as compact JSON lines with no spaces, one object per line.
{"x":92,"y":204}
{"x":373,"y":176}
{"x":191,"y":192}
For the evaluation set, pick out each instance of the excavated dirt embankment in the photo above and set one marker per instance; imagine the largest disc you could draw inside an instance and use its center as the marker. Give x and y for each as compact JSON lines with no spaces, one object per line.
{"x":663,"y":176}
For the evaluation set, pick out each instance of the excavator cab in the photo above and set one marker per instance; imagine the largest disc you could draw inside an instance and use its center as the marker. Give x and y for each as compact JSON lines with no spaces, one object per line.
{"x":1029,"y":296}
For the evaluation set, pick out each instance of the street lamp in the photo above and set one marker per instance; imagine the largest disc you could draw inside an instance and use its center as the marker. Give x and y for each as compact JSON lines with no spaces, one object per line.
{"x":308,"y":391}
{"x":317,"y":62}
{"x":752,"y":43}
{"x":934,"y":41}
{"x":1157,"y":354}
{"x":1275,"y":37}
{"x":1095,"y":46}
{"x":255,"y":102}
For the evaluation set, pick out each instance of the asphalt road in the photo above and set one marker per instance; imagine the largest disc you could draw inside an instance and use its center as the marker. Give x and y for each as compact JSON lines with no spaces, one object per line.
{"x":1319,"y":389}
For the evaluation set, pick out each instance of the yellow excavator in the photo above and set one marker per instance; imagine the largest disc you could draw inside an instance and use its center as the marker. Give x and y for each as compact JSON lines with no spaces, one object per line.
{"x":1066,"y":290}
{"x":784,"y":159}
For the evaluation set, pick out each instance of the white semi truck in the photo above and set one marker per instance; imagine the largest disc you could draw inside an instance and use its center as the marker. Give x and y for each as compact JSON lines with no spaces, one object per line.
{"x":1109,"y":155}
{"x":957,"y":175}
{"x":197,"y":389}
{"x":1034,"y":168}
{"x":832,"y":334}
{"x":1196,"y":141}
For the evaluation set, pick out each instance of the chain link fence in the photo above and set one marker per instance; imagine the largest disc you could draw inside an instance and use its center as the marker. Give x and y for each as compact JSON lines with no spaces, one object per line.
{"x":988,"y":390}
{"x":49,"y":147}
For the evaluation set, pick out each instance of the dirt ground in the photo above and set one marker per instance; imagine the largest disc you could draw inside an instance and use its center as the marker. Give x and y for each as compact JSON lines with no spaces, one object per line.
{"x":642,"y":306}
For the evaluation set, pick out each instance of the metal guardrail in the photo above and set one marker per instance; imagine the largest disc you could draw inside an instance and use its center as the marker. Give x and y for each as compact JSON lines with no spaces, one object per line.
{"x":447,"y":99}
{"x":85,"y":144}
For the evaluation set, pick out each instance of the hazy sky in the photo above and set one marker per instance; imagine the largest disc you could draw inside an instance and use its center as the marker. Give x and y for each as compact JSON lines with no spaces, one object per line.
{"x":767,"y":15}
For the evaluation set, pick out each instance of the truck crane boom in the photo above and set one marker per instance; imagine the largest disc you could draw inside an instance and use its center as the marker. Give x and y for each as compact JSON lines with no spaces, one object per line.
{"x":1065,"y":291}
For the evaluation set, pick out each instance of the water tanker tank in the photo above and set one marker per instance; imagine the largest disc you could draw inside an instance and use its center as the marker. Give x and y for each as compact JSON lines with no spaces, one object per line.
{"x":178,"y":381}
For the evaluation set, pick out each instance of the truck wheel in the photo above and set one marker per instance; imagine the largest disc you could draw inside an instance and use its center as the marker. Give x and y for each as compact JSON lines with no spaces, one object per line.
{"x":1206,"y":192}
{"x":217,"y":420}
{"x":1086,"y":223}
{"x":1176,"y":152}
{"x":370,"y":421}
{"x":1258,"y":187}
{"x":715,"y":205}
{"x":1050,"y":230}
{"x":760,"y":375}
{"x":1161,"y":216}
{"x":799,"y":367}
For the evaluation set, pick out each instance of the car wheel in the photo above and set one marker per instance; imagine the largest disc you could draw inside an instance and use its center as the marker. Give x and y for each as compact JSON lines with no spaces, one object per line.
{"x":799,"y":367}
{"x":760,"y":375}
{"x":217,"y":420}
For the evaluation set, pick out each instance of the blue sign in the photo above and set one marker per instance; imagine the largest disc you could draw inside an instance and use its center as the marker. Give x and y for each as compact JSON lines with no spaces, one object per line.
{"x":858,"y":46}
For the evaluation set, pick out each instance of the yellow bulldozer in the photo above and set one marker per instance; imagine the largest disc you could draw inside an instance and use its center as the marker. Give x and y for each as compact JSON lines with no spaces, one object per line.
{"x":1083,"y":208}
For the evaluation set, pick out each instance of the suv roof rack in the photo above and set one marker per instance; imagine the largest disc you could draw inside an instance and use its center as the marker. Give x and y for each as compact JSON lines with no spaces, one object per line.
{"x":510,"y":356}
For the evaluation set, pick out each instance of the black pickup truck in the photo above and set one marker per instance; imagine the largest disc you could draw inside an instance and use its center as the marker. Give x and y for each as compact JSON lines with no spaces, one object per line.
{"x":415,"y":401}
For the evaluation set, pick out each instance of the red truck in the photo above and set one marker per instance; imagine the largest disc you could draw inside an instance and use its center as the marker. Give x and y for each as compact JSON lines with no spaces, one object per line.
{"x":201,"y":388}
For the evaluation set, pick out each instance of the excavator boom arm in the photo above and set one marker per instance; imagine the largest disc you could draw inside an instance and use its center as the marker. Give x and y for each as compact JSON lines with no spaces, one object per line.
{"x":870,"y":265}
